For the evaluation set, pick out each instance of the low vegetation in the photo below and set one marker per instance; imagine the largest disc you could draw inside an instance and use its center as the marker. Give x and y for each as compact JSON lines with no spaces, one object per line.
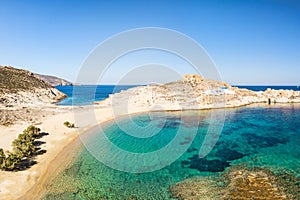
{"x":69,"y":125}
{"x":24,"y":150}
{"x":13,"y":80}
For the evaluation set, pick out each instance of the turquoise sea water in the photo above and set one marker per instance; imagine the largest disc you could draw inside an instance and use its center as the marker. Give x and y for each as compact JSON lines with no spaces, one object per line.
{"x":261,"y":136}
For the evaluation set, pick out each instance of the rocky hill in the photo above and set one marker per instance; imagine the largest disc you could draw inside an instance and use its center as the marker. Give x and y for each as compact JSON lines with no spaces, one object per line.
{"x":193,"y":92}
{"x":21,"y":87}
{"x":53,"y":80}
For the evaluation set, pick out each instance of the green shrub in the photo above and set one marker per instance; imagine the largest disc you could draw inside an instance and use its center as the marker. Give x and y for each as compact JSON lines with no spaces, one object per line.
{"x":69,"y":125}
{"x":2,"y":157}
{"x":23,"y":148}
{"x":23,"y":145}
{"x":32,"y":130}
{"x":10,"y":162}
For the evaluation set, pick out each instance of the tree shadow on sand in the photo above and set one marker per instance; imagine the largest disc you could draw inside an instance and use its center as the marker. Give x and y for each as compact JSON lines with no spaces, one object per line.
{"x":28,"y":162}
{"x":40,"y":135}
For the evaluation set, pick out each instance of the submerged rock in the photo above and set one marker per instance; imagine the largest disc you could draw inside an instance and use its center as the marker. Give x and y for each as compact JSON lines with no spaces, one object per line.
{"x":203,"y":188}
{"x":214,"y":165}
{"x":255,"y":184}
{"x":240,"y":183}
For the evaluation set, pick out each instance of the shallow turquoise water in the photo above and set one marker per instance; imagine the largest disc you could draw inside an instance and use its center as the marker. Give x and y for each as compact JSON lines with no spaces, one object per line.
{"x":253,"y":136}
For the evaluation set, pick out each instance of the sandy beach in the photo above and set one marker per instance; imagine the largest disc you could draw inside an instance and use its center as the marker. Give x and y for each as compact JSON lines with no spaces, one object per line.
{"x":14,"y":185}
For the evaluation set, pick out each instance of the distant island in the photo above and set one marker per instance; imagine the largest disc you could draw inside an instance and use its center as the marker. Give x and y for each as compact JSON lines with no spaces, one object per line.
{"x":53,"y":80}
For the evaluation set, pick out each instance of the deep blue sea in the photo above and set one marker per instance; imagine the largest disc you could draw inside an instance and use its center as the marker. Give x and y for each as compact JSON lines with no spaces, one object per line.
{"x":102,"y":92}
{"x":83,"y":92}
{"x":263,"y":88}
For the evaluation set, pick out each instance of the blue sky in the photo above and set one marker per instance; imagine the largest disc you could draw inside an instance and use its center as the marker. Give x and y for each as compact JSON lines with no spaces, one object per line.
{"x":251,"y":42}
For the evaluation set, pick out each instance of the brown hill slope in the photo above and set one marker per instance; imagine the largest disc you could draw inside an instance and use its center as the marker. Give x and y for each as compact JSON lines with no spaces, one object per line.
{"x":18,"y":86}
{"x":13,"y":80}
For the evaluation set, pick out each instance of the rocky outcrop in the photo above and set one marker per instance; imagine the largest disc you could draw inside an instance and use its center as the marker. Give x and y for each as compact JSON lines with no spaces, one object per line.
{"x":53,"y":80}
{"x":23,"y":88}
{"x":239,"y":183}
{"x":34,"y":97}
{"x":193,"y":92}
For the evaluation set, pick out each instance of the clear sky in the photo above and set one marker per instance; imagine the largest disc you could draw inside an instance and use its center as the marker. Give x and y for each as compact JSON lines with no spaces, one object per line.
{"x":251,"y":42}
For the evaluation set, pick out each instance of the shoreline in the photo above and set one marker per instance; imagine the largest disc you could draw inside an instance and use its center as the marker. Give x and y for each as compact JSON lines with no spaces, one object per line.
{"x":39,"y":189}
{"x":63,"y":154}
{"x":60,"y":163}
{"x":66,"y":157}
{"x":59,"y":138}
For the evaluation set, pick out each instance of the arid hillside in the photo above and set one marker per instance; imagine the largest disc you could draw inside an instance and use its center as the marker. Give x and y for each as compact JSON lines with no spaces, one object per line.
{"x":20,"y":87}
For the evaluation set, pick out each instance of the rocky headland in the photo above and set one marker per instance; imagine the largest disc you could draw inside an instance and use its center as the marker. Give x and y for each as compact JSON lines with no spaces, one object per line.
{"x":194,"y":92}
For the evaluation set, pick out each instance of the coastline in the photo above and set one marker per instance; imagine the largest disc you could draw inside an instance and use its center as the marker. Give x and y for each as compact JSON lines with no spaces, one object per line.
{"x":58,"y":144}
{"x":65,"y":158}
{"x":62,"y":149}
{"x":62,"y":161}
{"x":59,"y":138}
